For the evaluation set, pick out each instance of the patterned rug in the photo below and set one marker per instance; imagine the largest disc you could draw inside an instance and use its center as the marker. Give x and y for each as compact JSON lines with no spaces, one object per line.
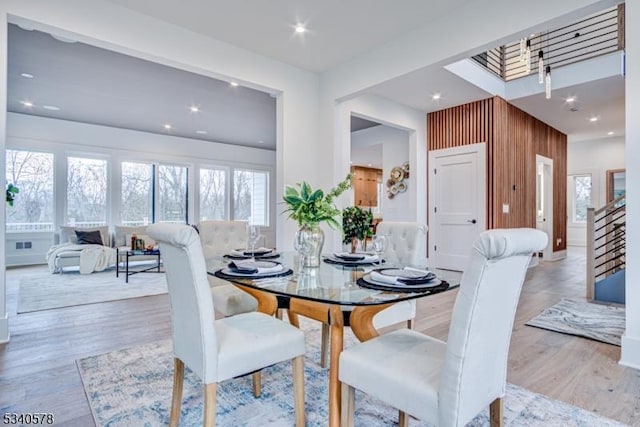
{"x":596,"y":321}
{"x":132,"y":387}
{"x":46,"y":291}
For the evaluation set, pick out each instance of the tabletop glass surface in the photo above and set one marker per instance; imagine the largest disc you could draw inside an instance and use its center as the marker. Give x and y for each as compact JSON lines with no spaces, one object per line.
{"x":330,"y":283}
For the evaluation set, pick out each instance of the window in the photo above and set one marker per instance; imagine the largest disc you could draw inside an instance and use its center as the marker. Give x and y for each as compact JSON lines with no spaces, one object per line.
{"x":581,"y":194}
{"x":172,"y":194}
{"x":137,"y":194}
{"x":86,"y":191}
{"x":32,"y":173}
{"x":250,"y":196}
{"x":213,"y":194}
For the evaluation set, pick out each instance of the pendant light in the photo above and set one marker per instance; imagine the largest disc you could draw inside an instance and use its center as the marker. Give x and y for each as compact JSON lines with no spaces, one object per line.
{"x":523,"y":46}
{"x":547,"y":88}
{"x":540,"y":67}
{"x":527,"y":56}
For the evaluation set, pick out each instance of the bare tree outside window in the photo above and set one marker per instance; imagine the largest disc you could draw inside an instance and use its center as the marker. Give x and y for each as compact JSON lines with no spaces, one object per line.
{"x":33,"y":208}
{"x":86,"y":191}
{"x":250,"y":196}
{"x":172,"y":195}
{"x":582,"y":197}
{"x":137,"y":192}
{"x":213,"y":201}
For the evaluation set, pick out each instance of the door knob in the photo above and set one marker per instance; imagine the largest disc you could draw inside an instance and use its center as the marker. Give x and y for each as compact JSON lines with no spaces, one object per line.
{"x":472,"y":221}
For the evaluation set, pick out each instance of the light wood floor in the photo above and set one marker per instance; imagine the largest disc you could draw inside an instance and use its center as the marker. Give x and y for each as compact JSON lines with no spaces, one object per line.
{"x":38,"y":371}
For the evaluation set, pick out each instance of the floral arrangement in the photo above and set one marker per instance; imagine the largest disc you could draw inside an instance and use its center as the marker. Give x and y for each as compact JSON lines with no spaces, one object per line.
{"x":356,"y":224}
{"x":309,"y":207}
{"x":12,"y":190}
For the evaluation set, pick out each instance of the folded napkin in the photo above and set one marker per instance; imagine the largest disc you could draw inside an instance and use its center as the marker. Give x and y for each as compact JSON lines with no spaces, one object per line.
{"x":399,"y":279}
{"x":247,"y":252}
{"x":255,"y":267}
{"x":358,"y":257}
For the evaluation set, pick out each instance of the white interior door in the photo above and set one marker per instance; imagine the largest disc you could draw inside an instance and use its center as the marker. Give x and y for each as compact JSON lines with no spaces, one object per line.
{"x":457,"y":203}
{"x":544,"y":201}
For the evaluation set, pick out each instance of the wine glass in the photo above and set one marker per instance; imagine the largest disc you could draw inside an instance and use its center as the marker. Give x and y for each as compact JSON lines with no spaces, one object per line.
{"x":253,"y":232}
{"x":379,"y":245}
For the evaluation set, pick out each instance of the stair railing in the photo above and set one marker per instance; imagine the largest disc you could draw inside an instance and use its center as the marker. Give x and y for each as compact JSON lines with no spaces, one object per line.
{"x":606,"y":238}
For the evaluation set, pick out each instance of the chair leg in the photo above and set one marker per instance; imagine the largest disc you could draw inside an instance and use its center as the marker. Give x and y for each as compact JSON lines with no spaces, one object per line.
{"x":347,"y":418}
{"x":324,"y":344}
{"x":257,"y":383}
{"x":209,"y":418}
{"x":176,"y":397}
{"x":298,"y":390}
{"x":403,"y":419}
{"x":496,"y":413}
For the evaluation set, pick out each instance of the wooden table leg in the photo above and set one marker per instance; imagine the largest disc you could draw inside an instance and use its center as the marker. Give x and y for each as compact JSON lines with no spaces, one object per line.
{"x":336,"y":325}
{"x":361,"y":320}
{"x":267,"y":303}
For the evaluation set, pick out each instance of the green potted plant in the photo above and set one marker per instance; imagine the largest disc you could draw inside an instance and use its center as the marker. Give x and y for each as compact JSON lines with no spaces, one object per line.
{"x":309,"y":208}
{"x":357,"y":224}
{"x":12,"y":190}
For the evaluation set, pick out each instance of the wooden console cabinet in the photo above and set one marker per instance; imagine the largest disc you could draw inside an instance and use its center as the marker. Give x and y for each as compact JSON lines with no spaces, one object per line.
{"x":365,"y":185}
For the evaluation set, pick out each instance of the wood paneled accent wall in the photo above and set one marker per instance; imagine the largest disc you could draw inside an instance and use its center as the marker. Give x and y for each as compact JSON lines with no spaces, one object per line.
{"x":513,"y":139}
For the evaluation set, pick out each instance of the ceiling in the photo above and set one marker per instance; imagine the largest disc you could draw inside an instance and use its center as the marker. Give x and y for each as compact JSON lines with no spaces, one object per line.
{"x":98,"y":86}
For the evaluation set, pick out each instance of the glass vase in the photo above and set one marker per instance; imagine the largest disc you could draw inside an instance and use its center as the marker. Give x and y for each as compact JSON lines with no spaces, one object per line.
{"x":312,"y":238}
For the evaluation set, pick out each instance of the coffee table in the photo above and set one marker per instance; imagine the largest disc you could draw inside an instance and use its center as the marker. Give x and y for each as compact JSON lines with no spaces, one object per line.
{"x":125,"y":255}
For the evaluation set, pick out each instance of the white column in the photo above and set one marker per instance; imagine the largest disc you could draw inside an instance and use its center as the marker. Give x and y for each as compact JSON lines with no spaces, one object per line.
{"x":4,"y":317}
{"x":631,"y":339}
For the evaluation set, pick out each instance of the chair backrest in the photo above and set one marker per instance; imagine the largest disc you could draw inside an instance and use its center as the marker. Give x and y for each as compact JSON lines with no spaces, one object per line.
{"x":475,"y":367}
{"x":220,"y":237}
{"x":192,"y":315}
{"x":406,"y":242}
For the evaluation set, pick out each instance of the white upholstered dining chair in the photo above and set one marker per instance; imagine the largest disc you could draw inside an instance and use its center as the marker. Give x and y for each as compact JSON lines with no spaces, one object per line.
{"x":218,"y":350}
{"x":448,"y":384}
{"x":406,"y":246}
{"x":219,"y":238}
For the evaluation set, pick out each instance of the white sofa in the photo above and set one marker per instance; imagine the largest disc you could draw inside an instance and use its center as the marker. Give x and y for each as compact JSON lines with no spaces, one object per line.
{"x":69,"y":256}
{"x":65,"y":251}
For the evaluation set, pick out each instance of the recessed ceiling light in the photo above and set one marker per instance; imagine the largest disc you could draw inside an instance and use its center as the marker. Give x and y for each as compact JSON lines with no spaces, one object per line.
{"x":167,"y":126}
{"x":435,"y":96}
{"x":27,"y":104}
{"x":201,"y":132}
{"x":593,"y":119}
{"x":369,"y":164}
{"x":300,"y":28}
{"x":570,"y":99}
{"x":234,"y":84}
{"x":610,"y":133}
{"x":261,"y":142}
{"x":194,"y":109}
{"x":51,"y":107}
{"x":27,"y":75}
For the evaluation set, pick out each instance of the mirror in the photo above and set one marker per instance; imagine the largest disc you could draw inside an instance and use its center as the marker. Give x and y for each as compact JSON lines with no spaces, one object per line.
{"x":615,"y":184}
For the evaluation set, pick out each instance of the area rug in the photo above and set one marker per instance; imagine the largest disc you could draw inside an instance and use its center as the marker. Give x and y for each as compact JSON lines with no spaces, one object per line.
{"x":46,"y":291}
{"x":132,"y":387}
{"x":599,"y":322}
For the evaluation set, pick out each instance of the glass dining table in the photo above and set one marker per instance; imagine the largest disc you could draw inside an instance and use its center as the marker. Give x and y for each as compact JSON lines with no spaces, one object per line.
{"x":321,"y":293}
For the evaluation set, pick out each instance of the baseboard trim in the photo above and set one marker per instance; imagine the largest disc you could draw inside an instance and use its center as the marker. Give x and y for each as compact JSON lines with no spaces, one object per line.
{"x":630,"y":354}
{"x":4,"y":329}
{"x":557,"y":256}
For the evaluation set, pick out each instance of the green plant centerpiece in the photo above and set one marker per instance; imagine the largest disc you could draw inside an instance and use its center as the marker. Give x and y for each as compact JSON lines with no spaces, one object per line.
{"x":357,"y":224}
{"x":12,"y":190}
{"x":309,"y":208}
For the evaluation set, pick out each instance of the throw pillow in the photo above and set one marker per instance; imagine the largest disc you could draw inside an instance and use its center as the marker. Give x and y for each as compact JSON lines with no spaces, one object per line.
{"x":89,"y":237}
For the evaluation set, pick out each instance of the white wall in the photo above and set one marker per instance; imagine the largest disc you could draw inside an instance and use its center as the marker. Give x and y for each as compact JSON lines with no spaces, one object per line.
{"x":398,"y":117}
{"x":62,"y":138}
{"x":631,"y":339}
{"x":594,"y":157}
{"x":395,"y":151}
